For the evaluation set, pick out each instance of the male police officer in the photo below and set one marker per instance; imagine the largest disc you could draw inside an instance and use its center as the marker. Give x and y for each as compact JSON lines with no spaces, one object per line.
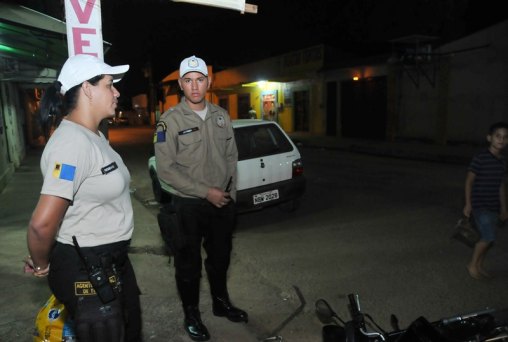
{"x":196,"y":154}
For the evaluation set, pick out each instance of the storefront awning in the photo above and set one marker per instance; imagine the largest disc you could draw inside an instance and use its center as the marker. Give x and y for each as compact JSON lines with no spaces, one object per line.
{"x":33,"y":45}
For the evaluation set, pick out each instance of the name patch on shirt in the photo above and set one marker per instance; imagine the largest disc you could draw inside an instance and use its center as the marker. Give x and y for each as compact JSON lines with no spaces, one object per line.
{"x":109,"y":168}
{"x":188,"y":130}
{"x":64,"y":171}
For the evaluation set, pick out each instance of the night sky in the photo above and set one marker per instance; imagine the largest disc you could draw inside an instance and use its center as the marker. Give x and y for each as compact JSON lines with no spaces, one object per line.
{"x":163,"y":32}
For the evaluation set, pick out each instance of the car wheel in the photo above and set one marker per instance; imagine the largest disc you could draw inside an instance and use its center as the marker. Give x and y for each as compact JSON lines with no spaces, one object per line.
{"x":289,"y":206}
{"x":160,"y":195}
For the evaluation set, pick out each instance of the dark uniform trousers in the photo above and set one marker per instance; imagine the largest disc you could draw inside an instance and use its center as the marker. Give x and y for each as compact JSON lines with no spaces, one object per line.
{"x":68,"y":269}
{"x":202,"y":222}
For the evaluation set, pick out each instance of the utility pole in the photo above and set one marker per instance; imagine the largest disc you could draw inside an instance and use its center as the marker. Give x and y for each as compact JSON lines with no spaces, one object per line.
{"x":152,"y":105}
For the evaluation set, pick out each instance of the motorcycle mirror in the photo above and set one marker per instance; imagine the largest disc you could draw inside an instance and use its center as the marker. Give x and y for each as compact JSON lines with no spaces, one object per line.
{"x":324,"y":311}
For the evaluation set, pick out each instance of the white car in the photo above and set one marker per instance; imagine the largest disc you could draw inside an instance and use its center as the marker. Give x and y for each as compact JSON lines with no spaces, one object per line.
{"x":269,"y":172}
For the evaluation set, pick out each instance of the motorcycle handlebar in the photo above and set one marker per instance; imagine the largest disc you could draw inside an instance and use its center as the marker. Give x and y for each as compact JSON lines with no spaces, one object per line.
{"x":474,"y":322}
{"x":356,"y":312}
{"x":449,"y":320}
{"x":354,"y":304}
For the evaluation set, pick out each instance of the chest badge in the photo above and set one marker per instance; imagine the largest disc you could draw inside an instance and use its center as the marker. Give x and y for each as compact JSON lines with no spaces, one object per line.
{"x":221,"y":122}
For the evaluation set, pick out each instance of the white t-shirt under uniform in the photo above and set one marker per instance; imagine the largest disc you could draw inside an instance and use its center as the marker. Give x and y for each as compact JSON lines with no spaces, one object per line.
{"x":81,"y":166}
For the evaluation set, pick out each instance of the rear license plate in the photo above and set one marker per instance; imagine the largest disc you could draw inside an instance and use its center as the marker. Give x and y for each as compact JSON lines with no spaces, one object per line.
{"x":266,"y":196}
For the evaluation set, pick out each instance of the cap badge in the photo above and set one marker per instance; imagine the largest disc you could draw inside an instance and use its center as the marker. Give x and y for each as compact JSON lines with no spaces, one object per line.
{"x":193,"y":63}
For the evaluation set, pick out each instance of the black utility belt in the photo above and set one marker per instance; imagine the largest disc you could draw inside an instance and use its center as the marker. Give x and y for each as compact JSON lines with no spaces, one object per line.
{"x":115,"y":248}
{"x":116,"y":251}
{"x":189,"y":200}
{"x":103,"y":264}
{"x":120,"y":247}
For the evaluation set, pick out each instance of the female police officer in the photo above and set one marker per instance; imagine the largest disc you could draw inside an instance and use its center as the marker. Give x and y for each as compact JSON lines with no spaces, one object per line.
{"x":85,"y":206}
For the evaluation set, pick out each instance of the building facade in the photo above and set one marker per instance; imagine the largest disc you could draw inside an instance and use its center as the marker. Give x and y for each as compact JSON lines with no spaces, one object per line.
{"x":32,"y":48}
{"x":436,"y":94}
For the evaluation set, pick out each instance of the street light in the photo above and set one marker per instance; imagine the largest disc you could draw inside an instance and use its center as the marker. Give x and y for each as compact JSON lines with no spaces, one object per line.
{"x":147,"y":72}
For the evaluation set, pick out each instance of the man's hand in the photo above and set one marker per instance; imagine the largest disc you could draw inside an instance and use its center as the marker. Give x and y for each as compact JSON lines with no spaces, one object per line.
{"x":218,"y":197}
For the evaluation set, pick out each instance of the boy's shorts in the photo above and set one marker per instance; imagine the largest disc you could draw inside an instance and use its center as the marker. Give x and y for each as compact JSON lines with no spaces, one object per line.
{"x":486,"y":223}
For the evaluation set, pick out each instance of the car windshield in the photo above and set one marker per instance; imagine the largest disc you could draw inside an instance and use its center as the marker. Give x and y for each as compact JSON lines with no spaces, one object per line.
{"x":260,"y":140}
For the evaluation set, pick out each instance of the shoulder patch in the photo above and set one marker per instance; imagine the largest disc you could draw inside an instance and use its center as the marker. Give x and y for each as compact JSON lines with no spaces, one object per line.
{"x":64,"y":171}
{"x":162,"y":125}
{"x":160,"y":132}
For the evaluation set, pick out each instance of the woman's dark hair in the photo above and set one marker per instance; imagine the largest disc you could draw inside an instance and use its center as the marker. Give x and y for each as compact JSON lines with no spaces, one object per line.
{"x":54,"y":106}
{"x":51,"y":104}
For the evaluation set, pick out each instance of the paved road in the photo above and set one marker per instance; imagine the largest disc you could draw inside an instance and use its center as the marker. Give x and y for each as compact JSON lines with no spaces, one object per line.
{"x":375,"y":226}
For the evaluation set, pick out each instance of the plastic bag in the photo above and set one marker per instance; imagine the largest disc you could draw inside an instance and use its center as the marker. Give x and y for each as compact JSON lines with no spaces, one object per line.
{"x":52,"y":323}
{"x":466,"y":232}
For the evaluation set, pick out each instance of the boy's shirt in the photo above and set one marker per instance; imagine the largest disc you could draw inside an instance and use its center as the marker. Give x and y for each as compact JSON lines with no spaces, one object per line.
{"x":489,"y":174}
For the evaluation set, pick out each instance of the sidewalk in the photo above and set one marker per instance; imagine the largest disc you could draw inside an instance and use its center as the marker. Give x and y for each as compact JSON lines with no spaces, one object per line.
{"x":22,"y":295}
{"x":458,"y":154}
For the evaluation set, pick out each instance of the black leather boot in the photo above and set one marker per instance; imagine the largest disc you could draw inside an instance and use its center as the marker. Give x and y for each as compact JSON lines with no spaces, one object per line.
{"x":222,"y":307}
{"x":193,"y":325}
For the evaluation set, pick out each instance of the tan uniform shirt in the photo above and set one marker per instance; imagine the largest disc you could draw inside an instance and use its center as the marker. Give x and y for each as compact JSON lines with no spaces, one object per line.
{"x":81,"y":166}
{"x":193,"y":154}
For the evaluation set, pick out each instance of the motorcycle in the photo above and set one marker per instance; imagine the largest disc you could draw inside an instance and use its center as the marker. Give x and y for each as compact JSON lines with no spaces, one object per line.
{"x":482,"y":326}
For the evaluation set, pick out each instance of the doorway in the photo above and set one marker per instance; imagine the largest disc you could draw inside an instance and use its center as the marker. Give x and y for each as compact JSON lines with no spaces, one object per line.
{"x":301,"y":110}
{"x":243,"y":106}
{"x":363,"y":108}
{"x":331,"y":108}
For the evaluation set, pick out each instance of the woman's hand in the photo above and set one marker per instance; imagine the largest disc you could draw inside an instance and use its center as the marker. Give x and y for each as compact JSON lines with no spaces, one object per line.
{"x":36,"y":270}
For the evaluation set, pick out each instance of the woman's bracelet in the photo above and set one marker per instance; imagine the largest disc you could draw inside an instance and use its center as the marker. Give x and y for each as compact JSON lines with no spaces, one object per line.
{"x":37,"y":268}
{"x":41,"y":272}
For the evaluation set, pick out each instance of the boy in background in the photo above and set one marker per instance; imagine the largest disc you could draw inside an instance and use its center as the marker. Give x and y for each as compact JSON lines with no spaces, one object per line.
{"x":485,"y":195}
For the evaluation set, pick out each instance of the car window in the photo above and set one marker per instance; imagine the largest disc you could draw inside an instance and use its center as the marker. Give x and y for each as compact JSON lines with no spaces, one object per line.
{"x":260,"y":140}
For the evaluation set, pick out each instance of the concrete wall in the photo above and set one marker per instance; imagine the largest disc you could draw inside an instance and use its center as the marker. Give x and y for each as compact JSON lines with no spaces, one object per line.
{"x":12,"y":140}
{"x":469,"y":94}
{"x":6,"y":167}
{"x":451,"y":96}
{"x":478,"y":83}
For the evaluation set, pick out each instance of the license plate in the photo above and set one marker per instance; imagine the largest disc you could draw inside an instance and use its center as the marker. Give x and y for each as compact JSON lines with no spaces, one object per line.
{"x":266,"y":196}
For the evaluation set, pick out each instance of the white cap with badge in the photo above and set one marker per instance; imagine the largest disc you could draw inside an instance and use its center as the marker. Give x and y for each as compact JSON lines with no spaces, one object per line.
{"x":80,"y":68}
{"x":191,"y":64}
